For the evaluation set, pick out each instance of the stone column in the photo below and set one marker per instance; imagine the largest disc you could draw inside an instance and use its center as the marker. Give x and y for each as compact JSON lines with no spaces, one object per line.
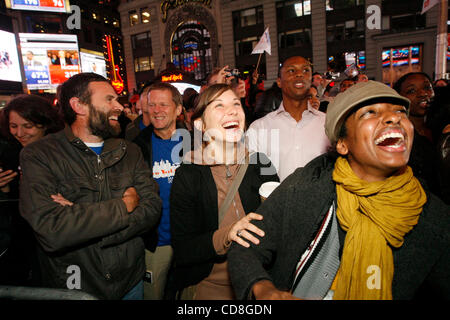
{"x":319,"y":36}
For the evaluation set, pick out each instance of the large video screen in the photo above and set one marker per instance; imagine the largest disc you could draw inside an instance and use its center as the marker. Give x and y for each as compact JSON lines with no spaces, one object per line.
{"x":93,"y":61}
{"x":398,"y":61}
{"x":9,"y":58}
{"x":39,"y":5}
{"x":49,"y":59}
{"x":401,"y":56}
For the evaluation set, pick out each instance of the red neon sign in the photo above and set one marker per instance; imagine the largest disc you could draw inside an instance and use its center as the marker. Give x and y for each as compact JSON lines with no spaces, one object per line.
{"x":116,"y":79}
{"x":172,"y":77}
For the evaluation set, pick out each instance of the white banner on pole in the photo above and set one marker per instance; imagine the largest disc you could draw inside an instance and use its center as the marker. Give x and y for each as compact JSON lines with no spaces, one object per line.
{"x":263,"y":44}
{"x":428,"y":4}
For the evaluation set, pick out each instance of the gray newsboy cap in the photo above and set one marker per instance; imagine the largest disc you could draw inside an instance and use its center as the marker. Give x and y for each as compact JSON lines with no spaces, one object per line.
{"x":360,"y":94}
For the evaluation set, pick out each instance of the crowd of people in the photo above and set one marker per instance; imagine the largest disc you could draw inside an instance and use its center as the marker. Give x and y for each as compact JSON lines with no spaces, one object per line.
{"x":161,"y":200}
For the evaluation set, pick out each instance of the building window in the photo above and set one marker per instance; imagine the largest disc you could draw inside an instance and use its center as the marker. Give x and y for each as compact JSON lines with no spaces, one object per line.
{"x":98,"y":36}
{"x":141,"y":40}
{"x":385,"y":23}
{"x":43,"y":24}
{"x":191,"y":49}
{"x":343,"y":4}
{"x":399,"y":23}
{"x":293,"y":9}
{"x":143,"y":64}
{"x":350,"y":29}
{"x":248,"y":17}
{"x":294,"y":38}
{"x":134,"y":18}
{"x":245,"y":46}
{"x":85,"y":14}
{"x":145,"y":15}
{"x":116,"y":23}
{"x":87,"y":34}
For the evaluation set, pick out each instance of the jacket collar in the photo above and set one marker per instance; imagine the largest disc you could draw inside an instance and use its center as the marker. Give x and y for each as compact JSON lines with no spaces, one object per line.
{"x":116,"y":146}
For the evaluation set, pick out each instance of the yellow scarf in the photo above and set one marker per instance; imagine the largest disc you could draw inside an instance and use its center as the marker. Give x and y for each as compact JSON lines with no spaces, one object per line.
{"x":375,"y":215}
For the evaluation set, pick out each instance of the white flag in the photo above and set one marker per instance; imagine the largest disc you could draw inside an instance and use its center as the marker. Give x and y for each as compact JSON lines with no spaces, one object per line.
{"x":428,"y":4}
{"x":263,"y":44}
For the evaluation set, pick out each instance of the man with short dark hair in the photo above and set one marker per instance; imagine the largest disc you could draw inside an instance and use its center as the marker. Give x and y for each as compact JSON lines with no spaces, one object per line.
{"x":345,"y":84}
{"x":30,"y":61}
{"x":293,"y":134}
{"x":89,"y":196}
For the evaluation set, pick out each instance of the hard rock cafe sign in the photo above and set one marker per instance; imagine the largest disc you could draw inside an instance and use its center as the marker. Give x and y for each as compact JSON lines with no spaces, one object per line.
{"x":167,"y":5}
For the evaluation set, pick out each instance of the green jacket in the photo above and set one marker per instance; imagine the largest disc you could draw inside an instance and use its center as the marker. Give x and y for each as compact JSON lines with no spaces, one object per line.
{"x":96,"y":234}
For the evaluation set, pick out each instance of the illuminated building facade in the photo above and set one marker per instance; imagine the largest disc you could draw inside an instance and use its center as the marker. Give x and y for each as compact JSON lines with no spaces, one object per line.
{"x":47,"y":32}
{"x":199,"y":35}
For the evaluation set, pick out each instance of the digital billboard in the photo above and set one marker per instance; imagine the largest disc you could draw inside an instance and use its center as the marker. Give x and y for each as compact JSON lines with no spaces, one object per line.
{"x":9,"y":58}
{"x":39,"y":5}
{"x":401,"y":56}
{"x":49,"y":59}
{"x":355,"y":58}
{"x":93,"y":61}
{"x":398,"y":61}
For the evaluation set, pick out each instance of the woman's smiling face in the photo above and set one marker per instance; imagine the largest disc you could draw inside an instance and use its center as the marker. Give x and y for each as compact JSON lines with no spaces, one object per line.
{"x":224,"y":118}
{"x":419,"y":90}
{"x":378,"y":140}
{"x":23,"y":130}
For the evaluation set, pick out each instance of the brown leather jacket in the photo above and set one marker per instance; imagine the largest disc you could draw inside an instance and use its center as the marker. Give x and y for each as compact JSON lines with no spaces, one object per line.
{"x":96,"y":234}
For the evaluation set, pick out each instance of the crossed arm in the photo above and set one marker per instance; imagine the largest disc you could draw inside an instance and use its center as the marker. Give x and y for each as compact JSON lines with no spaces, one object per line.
{"x":59,"y":223}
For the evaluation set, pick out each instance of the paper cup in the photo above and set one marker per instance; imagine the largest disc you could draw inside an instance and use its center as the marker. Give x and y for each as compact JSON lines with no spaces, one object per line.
{"x":266,"y":189}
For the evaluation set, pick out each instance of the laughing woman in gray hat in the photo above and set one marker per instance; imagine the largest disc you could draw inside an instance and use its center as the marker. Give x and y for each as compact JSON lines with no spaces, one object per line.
{"x":354,"y":223}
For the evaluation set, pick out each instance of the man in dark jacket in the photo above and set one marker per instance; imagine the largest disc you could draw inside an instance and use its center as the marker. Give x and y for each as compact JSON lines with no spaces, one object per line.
{"x":162,"y":144}
{"x":89,"y":196}
{"x":269,"y":101}
{"x":354,"y":226}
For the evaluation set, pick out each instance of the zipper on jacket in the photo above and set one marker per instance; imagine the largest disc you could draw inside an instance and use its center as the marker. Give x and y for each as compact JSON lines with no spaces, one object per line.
{"x":99,"y":177}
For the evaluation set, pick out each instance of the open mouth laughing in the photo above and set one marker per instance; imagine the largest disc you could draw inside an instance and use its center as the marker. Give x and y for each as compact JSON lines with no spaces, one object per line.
{"x":391,"y":140}
{"x":231,"y":125}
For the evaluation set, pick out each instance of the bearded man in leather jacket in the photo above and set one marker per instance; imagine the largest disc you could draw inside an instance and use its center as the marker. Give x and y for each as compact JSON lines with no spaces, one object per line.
{"x":89,"y":196}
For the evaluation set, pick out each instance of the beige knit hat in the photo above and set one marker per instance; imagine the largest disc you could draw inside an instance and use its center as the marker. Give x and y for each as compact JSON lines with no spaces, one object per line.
{"x":360,"y":94}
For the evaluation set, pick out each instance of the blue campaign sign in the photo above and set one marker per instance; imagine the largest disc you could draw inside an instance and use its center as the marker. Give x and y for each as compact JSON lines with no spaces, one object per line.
{"x":26,"y":2}
{"x":37,"y":75}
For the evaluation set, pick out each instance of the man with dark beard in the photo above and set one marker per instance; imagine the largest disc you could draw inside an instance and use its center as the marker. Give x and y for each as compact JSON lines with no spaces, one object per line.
{"x":89,"y":196}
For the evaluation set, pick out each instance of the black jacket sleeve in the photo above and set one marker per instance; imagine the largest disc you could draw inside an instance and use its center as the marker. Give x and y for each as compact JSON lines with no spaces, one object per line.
{"x":192,"y":242}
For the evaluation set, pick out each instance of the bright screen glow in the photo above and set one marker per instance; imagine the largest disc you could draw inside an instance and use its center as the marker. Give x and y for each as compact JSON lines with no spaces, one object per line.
{"x":39,"y":5}
{"x":9,"y":58}
{"x":93,"y":61}
{"x":181,"y":86}
{"x":401,"y":56}
{"x":49,"y":59}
